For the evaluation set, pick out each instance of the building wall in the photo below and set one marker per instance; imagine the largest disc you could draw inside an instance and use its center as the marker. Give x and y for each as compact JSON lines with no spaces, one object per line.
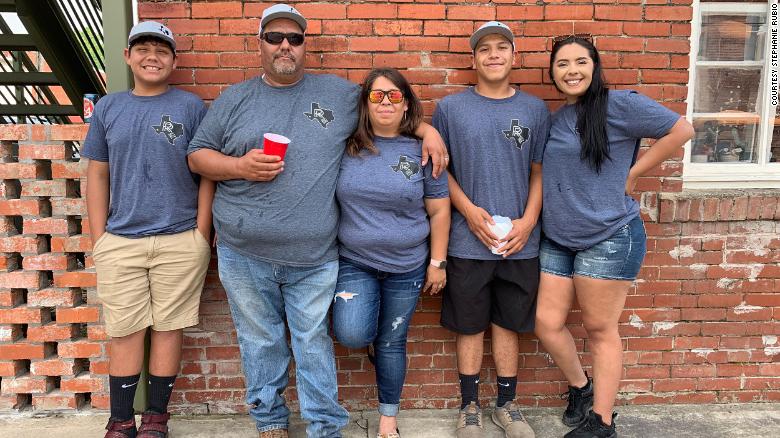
{"x":700,"y":325}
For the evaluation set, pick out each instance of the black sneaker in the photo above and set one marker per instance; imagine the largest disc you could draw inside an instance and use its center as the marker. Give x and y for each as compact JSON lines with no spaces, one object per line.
{"x":593,"y":427}
{"x":580,"y":402}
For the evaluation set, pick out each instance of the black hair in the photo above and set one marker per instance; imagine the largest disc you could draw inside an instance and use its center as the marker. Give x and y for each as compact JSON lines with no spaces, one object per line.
{"x":591,"y":107}
{"x":150,"y":38}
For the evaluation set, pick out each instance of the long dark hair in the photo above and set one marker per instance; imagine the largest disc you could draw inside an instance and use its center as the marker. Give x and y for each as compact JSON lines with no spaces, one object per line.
{"x":363,"y":137}
{"x":591,"y":107}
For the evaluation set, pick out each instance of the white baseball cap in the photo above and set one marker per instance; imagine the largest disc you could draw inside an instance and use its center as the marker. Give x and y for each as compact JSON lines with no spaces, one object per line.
{"x":153,"y":29}
{"x":282,"y":10}
{"x":490,"y":28}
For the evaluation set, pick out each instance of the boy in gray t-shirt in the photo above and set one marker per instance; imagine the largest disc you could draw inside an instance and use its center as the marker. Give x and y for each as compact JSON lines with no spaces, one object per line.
{"x":150,"y":219}
{"x":495,"y":135}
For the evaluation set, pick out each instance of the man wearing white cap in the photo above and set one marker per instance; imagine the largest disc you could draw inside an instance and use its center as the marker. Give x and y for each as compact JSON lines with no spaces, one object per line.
{"x":150,"y":220}
{"x":495,"y":135}
{"x":276,"y":220}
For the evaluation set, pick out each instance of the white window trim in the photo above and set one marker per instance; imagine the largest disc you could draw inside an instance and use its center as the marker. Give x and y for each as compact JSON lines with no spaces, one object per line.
{"x":731,"y":175}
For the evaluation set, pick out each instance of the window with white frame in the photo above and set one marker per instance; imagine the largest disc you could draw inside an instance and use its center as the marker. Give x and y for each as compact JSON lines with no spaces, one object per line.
{"x":730,"y":102}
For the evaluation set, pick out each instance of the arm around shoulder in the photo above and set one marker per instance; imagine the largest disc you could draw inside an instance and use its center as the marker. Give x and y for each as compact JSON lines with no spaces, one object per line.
{"x":433,"y":146}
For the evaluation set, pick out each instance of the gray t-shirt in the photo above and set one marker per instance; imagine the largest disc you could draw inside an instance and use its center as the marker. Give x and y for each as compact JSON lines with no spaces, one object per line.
{"x":144,"y":140}
{"x":384,"y":223}
{"x":582,"y":208}
{"x":492,"y":143}
{"x":293,"y":218}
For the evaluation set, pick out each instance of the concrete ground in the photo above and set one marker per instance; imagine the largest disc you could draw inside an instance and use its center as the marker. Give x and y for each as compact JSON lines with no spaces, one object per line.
{"x":675,"y":421}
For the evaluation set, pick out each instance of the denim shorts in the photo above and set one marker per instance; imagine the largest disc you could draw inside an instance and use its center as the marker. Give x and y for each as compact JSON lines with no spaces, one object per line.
{"x":617,"y":258}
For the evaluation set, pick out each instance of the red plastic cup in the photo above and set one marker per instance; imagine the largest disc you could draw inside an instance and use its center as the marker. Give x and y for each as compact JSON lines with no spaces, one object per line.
{"x":275,"y":144}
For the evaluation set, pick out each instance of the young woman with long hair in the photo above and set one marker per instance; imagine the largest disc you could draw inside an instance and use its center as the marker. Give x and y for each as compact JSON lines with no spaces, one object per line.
{"x":594,"y":239}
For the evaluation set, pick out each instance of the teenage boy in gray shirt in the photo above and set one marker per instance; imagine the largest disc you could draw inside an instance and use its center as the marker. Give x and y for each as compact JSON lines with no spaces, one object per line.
{"x":150,"y":220}
{"x":495,"y":135}
{"x":276,"y":221}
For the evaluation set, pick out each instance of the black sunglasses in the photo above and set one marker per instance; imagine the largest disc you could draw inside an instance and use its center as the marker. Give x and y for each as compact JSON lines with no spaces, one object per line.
{"x":276,"y":38}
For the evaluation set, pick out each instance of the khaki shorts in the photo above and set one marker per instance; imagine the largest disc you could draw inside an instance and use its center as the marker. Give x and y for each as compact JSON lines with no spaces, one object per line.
{"x":152,"y":281}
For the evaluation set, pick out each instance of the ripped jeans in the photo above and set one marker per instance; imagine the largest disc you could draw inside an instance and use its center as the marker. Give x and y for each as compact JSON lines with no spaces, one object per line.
{"x":374,"y":307}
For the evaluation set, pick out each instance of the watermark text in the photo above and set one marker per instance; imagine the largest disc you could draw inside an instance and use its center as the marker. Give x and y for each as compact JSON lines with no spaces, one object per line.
{"x":774,"y":53}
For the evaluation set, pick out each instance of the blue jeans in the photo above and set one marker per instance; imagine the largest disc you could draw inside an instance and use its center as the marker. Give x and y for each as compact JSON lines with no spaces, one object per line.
{"x":261,"y":295}
{"x":374,"y":307}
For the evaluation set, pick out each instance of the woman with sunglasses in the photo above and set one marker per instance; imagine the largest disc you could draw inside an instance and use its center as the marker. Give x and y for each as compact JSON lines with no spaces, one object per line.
{"x":390,"y":204}
{"x":594,"y":238}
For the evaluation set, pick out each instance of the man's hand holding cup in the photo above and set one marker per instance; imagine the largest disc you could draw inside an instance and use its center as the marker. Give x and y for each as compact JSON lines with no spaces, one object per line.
{"x":264,"y":164}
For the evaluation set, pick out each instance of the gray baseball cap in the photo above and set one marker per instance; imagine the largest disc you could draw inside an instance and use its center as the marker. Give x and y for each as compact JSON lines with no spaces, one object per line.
{"x":490,"y":28}
{"x":151,"y":28}
{"x":282,"y":10}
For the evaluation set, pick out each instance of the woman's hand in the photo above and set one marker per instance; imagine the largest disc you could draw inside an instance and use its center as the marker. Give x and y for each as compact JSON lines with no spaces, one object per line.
{"x":435,"y":280}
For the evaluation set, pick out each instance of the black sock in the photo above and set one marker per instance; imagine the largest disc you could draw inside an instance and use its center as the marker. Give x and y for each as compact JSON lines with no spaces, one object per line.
{"x":507,"y":387}
{"x":160,"y":389}
{"x":469,"y":389}
{"x":122,"y":391}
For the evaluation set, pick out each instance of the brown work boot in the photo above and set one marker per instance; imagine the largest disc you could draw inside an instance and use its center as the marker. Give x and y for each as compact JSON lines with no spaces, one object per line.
{"x":470,"y":422}
{"x":274,"y":433}
{"x":511,"y":420}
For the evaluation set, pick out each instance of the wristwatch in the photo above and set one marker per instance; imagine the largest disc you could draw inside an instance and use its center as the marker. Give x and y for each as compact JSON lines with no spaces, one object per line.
{"x":441,"y":264}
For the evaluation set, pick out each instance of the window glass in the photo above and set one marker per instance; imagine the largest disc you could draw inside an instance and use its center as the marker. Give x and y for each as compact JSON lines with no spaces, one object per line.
{"x":728,"y":99}
{"x":727,"y":89}
{"x":732,"y":37}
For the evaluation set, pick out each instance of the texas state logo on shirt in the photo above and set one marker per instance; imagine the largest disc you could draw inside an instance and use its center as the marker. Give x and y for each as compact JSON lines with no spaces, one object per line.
{"x":322,"y":115}
{"x":406,"y":166}
{"x":169,"y":128}
{"x":517,"y":133}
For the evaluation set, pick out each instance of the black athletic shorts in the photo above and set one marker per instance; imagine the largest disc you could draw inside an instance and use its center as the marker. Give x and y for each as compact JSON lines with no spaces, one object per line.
{"x":481,"y":292}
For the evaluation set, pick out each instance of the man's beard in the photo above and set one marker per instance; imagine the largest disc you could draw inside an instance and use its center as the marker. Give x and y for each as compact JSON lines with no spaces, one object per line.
{"x":285,"y":67}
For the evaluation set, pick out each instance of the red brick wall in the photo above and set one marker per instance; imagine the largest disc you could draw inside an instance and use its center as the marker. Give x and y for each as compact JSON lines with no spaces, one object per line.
{"x":701,"y":325}
{"x":52,"y":353}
